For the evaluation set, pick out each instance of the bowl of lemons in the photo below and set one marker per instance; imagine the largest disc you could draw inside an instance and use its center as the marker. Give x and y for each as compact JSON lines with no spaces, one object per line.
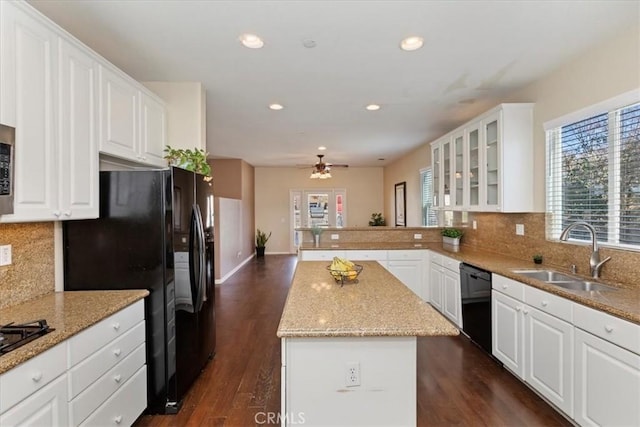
{"x":344,"y":271}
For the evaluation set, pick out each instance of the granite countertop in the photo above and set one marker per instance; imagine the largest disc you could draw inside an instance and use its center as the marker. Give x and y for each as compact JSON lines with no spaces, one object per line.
{"x":379,"y":305}
{"x":365,"y":246}
{"x":623,"y":303}
{"x":67,"y":312}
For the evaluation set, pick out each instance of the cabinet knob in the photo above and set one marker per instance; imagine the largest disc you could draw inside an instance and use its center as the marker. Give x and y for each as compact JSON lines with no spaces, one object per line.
{"x":545,"y":303}
{"x":116,"y":326}
{"x":36,"y":377}
{"x":504,"y":286}
{"x":117,"y":352}
{"x":117,"y":378}
{"x":118,"y":419}
{"x":56,"y":213}
{"x":608,"y":328}
{"x":525,"y":311}
{"x":518,"y":308}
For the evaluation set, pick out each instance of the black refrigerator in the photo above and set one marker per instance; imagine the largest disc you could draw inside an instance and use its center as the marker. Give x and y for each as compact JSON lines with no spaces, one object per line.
{"x":155,"y":232}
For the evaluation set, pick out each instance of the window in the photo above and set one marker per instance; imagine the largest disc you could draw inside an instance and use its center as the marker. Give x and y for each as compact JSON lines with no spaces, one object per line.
{"x":593,"y":175}
{"x":429,"y":217}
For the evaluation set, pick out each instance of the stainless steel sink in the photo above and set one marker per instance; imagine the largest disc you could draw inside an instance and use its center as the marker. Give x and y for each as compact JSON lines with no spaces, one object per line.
{"x":545,"y":275}
{"x":583,"y":285}
{"x":565,"y":281}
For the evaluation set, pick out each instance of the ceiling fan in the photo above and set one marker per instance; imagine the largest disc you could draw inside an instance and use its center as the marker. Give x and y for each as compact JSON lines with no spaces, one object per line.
{"x":321,"y":169}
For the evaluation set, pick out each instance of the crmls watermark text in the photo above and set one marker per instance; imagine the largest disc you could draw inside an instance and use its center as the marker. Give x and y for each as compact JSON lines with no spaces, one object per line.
{"x":277,"y":418}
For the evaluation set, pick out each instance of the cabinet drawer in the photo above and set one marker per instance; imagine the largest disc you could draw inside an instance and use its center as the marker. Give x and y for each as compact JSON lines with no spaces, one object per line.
{"x":549,"y":303}
{"x":617,"y":331}
{"x":508,"y":287}
{"x":321,"y":255}
{"x":94,"y":396}
{"x":125,"y":405}
{"x":405,"y":254}
{"x":436,"y":258}
{"x":451,"y":264}
{"x":92,"y":368}
{"x":366,"y":255}
{"x":47,"y":407}
{"x":98,"y":335}
{"x":32,"y":375}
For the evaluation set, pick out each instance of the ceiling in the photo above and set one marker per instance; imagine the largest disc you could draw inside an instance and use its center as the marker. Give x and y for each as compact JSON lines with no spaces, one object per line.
{"x":475,"y":53}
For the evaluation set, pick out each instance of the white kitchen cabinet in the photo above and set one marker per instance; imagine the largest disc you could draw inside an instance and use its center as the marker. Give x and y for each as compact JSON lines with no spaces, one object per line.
{"x":132,"y":122}
{"x":533,"y":336}
{"x":78,"y":128}
{"x":474,"y":161}
{"x":48,"y":82}
{"x":47,"y":407}
{"x":368,"y":255}
{"x":451,"y":301}
{"x":436,"y":277}
{"x":506,"y":332}
{"x":406,"y":266}
{"x":28,"y":59}
{"x":320,"y":255}
{"x":607,"y":369}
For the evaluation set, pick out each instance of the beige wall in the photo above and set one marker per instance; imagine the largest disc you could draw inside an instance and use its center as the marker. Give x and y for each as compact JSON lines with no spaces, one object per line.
{"x":233,"y":188}
{"x":407,"y":169}
{"x":364,"y":196}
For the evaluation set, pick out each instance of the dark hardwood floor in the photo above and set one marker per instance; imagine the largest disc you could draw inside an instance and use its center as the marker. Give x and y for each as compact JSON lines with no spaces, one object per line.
{"x":458,"y":385}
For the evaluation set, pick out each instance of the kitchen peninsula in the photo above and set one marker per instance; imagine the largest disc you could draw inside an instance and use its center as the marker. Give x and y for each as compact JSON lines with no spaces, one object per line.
{"x":349,"y":352}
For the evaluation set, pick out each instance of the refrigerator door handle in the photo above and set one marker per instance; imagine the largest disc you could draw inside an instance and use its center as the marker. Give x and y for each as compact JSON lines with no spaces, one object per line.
{"x":203,"y":259}
{"x":193,"y":275}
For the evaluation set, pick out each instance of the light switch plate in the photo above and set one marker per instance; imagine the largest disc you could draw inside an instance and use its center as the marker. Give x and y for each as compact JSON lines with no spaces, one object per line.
{"x":5,"y":255}
{"x":335,"y":237}
{"x":417,"y":236}
{"x":520,"y":229}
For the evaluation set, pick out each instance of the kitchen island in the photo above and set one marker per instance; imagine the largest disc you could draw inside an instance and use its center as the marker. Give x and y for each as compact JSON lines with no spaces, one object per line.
{"x":349,"y":352}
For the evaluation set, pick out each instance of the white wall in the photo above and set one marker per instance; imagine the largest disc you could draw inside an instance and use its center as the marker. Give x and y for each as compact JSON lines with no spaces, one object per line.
{"x":228,"y":235}
{"x":364,"y":196}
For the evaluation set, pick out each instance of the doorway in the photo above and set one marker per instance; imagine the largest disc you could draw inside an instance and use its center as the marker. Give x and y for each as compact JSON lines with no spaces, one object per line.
{"x":316,"y":208}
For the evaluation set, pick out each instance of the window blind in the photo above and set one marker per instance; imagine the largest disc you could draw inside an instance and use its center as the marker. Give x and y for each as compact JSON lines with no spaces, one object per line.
{"x":593,"y":175}
{"x":429,"y":217}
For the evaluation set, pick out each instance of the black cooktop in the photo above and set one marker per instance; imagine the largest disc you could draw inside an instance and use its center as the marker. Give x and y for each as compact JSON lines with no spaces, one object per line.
{"x":13,"y":336}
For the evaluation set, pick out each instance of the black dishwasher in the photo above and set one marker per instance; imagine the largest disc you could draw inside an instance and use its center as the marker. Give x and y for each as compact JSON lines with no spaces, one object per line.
{"x":475,"y":292}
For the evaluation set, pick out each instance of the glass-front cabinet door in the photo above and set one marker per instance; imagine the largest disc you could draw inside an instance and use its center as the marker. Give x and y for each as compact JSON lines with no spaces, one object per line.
{"x":458,"y":172}
{"x":474,"y":159}
{"x":446,"y":173}
{"x":492,"y":170}
{"x":437,"y":163}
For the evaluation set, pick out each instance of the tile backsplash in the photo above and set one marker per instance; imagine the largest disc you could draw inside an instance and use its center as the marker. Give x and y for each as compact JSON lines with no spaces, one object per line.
{"x":32,"y":271}
{"x":497,"y":233}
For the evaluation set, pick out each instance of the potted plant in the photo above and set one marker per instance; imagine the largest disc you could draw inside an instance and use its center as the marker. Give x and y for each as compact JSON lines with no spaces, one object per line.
{"x":537,"y":258}
{"x":451,"y":236}
{"x":377,"y":220}
{"x":193,"y":160}
{"x":261,"y":241}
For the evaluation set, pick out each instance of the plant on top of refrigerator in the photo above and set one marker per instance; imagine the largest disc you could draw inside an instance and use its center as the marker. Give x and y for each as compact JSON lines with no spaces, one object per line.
{"x":192,"y":160}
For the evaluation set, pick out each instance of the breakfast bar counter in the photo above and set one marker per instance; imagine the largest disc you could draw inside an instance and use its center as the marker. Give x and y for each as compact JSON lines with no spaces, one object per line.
{"x":349,"y":352}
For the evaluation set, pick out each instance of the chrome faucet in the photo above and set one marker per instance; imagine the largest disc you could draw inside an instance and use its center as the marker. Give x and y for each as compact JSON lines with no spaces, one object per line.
{"x":594,"y":261}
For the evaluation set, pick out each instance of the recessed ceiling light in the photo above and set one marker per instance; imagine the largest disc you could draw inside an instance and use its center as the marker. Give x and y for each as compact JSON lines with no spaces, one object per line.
{"x":276,"y":106}
{"x":251,"y":41}
{"x":411,"y":43}
{"x":322,"y":148}
{"x":372,"y":107}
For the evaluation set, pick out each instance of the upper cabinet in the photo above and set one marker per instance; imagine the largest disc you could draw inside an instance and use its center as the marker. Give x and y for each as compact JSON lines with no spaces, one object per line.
{"x":129,"y":119}
{"x":487,"y":164}
{"x":64,"y":101}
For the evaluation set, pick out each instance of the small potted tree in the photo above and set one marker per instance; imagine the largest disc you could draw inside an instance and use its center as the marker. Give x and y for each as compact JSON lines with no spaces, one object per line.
{"x":261,"y":242}
{"x":451,"y":236}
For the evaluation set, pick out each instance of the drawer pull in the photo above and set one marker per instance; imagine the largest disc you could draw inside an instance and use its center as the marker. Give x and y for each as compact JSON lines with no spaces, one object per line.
{"x":608,"y":328}
{"x":36,"y":377}
{"x":116,"y":326}
{"x":545,"y":303}
{"x":118,"y":419}
{"x":117,"y":378}
{"x":525,"y":311}
{"x":518,"y":308}
{"x":117,"y":352}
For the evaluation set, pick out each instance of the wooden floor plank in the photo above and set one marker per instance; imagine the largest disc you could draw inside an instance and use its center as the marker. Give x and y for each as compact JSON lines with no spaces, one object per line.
{"x":458,"y":384}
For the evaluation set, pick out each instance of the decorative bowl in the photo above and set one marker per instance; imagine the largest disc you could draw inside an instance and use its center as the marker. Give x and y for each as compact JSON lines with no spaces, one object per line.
{"x":346,"y":277}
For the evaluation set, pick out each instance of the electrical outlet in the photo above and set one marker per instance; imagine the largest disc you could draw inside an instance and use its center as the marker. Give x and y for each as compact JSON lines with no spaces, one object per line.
{"x":5,"y":255}
{"x":520,"y":229}
{"x":475,"y":224}
{"x":417,"y":236}
{"x":352,"y":374}
{"x":335,"y":236}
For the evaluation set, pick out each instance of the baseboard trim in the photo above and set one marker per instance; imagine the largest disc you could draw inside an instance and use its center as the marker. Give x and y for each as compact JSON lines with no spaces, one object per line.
{"x":232,"y":272}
